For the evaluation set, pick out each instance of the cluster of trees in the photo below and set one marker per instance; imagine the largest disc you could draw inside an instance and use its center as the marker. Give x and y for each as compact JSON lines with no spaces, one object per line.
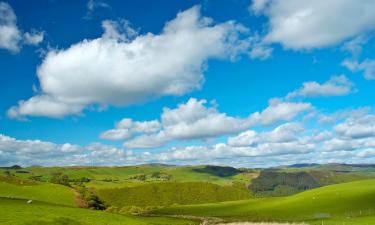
{"x":153,"y":176}
{"x":63,"y":179}
{"x":276,"y":183}
{"x":59,"y":178}
{"x":91,"y":199}
{"x":220,"y":171}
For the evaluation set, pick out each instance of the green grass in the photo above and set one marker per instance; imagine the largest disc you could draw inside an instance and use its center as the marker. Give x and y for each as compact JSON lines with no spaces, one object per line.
{"x":336,"y":202}
{"x":45,"y":192}
{"x":122,"y":175}
{"x":18,"y":212}
{"x":167,"y":193}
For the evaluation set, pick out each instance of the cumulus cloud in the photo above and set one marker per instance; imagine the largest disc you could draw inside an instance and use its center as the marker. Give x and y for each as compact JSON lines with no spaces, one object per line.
{"x":310,"y":24}
{"x":197,"y":120}
{"x":11,"y":37}
{"x":126,"y":128}
{"x":351,"y":141}
{"x":280,"y":111}
{"x":336,"y":86}
{"x":288,"y":132}
{"x":191,"y":120}
{"x":43,"y":106}
{"x":357,"y":127}
{"x":122,"y":68}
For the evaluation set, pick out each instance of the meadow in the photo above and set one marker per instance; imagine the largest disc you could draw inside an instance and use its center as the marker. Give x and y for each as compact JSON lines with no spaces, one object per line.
{"x":161,"y":194}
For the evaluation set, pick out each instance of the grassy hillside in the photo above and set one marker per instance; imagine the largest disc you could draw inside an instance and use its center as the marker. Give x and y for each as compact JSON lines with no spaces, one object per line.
{"x":46,"y":192}
{"x":18,"y":212}
{"x":340,"y":202}
{"x":167,"y":193}
{"x":113,"y":177}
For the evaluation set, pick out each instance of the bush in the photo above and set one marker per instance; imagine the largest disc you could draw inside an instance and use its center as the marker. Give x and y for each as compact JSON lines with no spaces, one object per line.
{"x":91,"y":199}
{"x":58,"y":178}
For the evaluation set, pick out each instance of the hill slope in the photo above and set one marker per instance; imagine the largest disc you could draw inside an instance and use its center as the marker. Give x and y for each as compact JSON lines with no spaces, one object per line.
{"x":334,"y":202}
{"x":18,"y":212}
{"x":167,"y":193}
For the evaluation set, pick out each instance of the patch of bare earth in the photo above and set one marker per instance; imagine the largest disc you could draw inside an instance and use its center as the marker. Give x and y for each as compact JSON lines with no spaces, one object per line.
{"x":80,"y":202}
{"x":249,"y":223}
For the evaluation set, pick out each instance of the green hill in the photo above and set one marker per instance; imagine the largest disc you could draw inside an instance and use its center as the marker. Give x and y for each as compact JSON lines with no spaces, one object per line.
{"x":46,"y":192}
{"x":18,"y":212}
{"x":167,"y":193}
{"x":341,"y":202}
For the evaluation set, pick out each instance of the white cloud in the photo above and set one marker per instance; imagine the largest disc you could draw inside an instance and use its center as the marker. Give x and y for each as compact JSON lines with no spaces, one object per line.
{"x":247,"y":138}
{"x":118,"y":30}
{"x":357,"y":127}
{"x":43,"y":106}
{"x":258,"y":6}
{"x":34,"y":37}
{"x":194,"y":120}
{"x":259,"y":49}
{"x":197,"y":120}
{"x":367,"y":66}
{"x":336,"y":86}
{"x":92,"y":5}
{"x":113,"y":71}
{"x":315,"y":23}
{"x":191,"y":120}
{"x":281,"y":111}
{"x":350,"y":141}
{"x":11,"y":36}
{"x":284,"y":133}
{"x":127,"y":128}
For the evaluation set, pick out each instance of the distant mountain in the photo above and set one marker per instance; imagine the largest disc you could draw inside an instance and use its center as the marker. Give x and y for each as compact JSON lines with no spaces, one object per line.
{"x":302,"y":165}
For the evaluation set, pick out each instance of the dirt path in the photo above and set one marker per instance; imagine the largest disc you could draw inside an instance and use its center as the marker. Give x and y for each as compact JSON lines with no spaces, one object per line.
{"x":204,"y":220}
{"x":79,"y":201}
{"x":249,"y":223}
{"x":219,"y":221}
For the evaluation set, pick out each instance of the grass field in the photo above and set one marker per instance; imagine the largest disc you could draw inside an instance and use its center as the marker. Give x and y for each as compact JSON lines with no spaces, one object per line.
{"x":187,"y":192}
{"x":17,"y":212}
{"x":167,"y":193}
{"x":336,"y":203}
{"x":46,"y":192}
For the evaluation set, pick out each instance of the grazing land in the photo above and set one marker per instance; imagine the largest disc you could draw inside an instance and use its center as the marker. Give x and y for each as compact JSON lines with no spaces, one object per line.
{"x":164,"y":194}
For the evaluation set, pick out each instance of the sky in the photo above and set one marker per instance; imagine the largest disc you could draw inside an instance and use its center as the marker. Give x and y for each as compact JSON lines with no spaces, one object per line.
{"x":246,"y":83}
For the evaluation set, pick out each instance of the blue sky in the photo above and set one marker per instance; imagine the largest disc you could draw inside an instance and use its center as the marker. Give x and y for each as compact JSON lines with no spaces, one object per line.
{"x":239,"y":82}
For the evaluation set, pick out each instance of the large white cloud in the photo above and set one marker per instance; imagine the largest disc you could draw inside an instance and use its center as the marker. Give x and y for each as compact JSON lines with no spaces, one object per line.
{"x":122,"y":68}
{"x":11,"y":36}
{"x":315,"y":23}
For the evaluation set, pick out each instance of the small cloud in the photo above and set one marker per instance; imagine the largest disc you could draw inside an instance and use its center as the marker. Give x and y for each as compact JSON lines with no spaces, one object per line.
{"x":11,"y":37}
{"x":34,"y":37}
{"x":336,"y":86}
{"x":92,"y":5}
